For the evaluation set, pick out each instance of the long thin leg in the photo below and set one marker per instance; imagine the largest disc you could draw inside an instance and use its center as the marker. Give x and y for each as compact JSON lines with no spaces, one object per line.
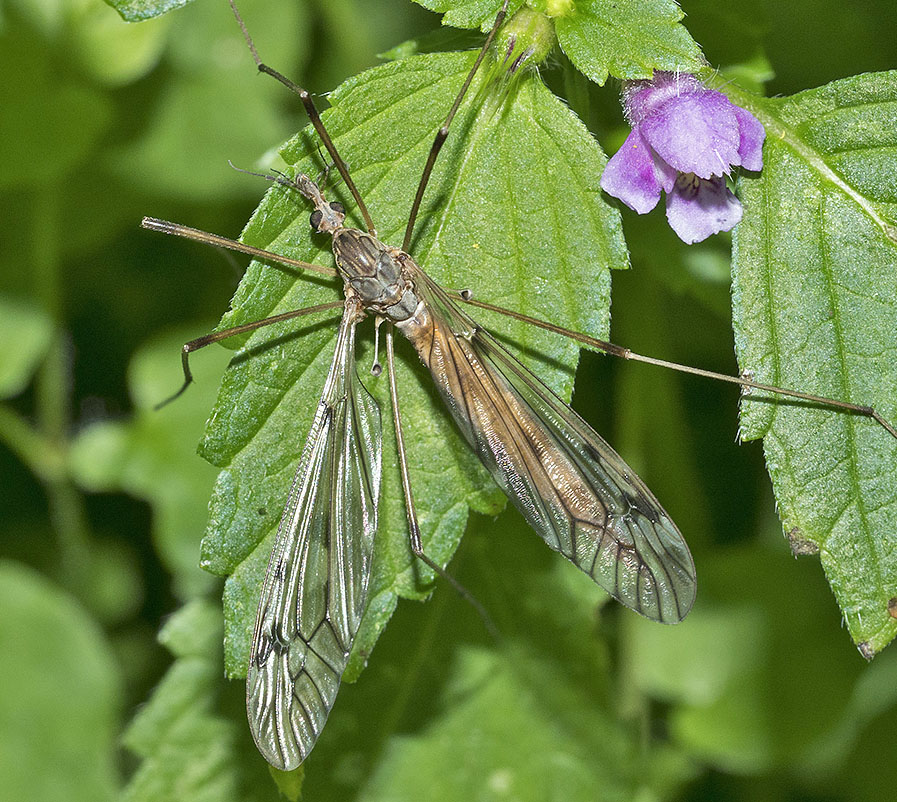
{"x":417,"y":546}
{"x":313,"y":116}
{"x":625,"y":353}
{"x":217,"y":336}
{"x":442,"y":133}
{"x":177,"y":230}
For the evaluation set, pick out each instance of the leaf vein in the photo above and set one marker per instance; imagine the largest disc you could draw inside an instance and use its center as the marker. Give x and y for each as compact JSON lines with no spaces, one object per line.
{"x":827,"y":272}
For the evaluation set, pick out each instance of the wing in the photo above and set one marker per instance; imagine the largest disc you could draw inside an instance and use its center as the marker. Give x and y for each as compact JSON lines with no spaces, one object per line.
{"x":568,"y":483}
{"x":315,"y":587}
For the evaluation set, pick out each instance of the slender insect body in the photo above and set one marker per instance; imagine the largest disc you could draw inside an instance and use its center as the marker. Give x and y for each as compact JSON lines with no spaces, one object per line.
{"x":568,"y":483}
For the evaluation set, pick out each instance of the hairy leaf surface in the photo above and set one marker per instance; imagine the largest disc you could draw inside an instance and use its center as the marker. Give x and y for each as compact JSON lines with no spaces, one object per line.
{"x":816,"y":309}
{"x":621,"y":38}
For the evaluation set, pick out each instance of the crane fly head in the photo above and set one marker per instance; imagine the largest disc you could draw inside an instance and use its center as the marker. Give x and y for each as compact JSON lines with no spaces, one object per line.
{"x":327,"y":217}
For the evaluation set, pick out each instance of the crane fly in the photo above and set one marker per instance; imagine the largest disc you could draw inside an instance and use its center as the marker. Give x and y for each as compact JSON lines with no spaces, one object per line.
{"x":571,"y":487}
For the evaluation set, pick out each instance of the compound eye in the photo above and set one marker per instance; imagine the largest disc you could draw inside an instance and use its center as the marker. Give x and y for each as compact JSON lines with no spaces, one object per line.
{"x":338,"y":207}
{"x":315,"y":219}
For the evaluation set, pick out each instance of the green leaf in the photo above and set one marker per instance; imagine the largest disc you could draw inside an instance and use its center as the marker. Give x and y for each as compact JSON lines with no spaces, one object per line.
{"x":139,"y":10}
{"x":736,"y":687}
{"x":514,"y":212}
{"x":512,"y":728}
{"x":25,"y":335}
{"x":61,"y":695}
{"x":438,"y":41}
{"x":58,"y":121}
{"x":153,"y":457}
{"x":627,"y":39}
{"x":469,"y":13}
{"x":815,"y":310}
{"x":114,"y":52}
{"x":191,"y":750}
{"x":722,"y":710}
{"x":624,"y":38}
{"x":204,"y":47}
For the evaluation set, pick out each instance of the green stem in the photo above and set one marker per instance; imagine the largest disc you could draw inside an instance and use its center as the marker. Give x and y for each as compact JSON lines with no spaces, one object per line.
{"x":631,"y":702}
{"x":576,"y":91}
{"x":53,"y":391}
{"x":28,"y":445}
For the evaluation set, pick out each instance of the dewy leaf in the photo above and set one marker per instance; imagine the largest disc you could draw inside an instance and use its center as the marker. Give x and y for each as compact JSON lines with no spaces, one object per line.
{"x":514,"y":212}
{"x":61,"y":695}
{"x":815,"y":309}
{"x":627,"y":39}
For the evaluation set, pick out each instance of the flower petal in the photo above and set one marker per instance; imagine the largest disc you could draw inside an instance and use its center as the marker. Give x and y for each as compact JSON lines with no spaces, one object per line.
{"x":695,"y":133}
{"x":630,"y":175}
{"x":665,"y":174}
{"x":752,"y":135}
{"x":641,"y":98}
{"x":697,"y":208}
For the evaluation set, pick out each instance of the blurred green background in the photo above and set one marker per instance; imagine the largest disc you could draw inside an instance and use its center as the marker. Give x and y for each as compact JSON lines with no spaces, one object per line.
{"x":758,"y":695}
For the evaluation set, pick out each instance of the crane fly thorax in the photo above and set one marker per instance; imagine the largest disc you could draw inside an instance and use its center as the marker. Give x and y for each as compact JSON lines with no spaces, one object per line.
{"x":376,"y":272}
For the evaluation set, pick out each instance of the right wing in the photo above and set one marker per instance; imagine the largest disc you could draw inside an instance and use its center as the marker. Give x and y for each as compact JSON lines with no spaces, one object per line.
{"x":568,"y":483}
{"x":315,"y":587}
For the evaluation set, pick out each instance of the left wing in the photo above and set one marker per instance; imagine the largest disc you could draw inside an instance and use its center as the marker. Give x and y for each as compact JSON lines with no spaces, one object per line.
{"x":316,"y":583}
{"x":568,"y":483}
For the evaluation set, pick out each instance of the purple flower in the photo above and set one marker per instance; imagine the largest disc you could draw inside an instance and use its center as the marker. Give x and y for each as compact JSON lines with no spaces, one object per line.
{"x":685,"y":140}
